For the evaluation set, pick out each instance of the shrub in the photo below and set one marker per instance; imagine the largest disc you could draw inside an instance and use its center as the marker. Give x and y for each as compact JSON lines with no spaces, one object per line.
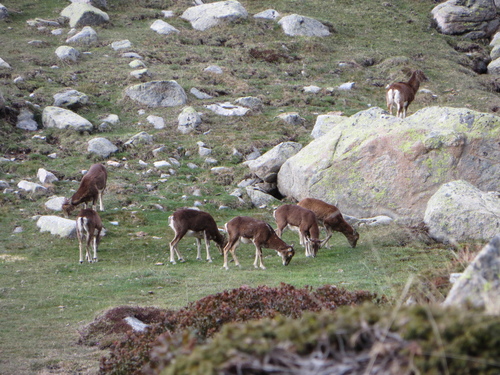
{"x":196,"y":322}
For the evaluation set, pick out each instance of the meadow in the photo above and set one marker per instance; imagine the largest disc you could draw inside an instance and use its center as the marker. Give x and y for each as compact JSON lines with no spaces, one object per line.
{"x":46,"y":296}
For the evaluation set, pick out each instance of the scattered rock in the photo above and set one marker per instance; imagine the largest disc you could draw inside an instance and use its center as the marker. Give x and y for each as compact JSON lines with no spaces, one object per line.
{"x":227,"y":109}
{"x":164,"y":28}
{"x":101,"y":147}
{"x":70,"y":99}
{"x":57,"y":226}
{"x":67,"y":53}
{"x":26,"y":120}
{"x":157,"y":121}
{"x":46,"y":177}
{"x":30,"y":187}
{"x":55,"y":117}
{"x":87,"y":36}
{"x":189,"y":120}
{"x":297,"y":25}
{"x":268,"y":14}
{"x":205,"y":16}
{"x":157,"y":94}
{"x":55,"y":203}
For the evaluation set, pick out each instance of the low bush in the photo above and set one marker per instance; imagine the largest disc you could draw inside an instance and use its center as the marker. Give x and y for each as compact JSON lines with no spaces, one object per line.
{"x":192,"y":325}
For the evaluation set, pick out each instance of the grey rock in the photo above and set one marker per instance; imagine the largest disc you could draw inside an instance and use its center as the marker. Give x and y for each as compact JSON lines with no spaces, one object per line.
{"x":84,"y":15}
{"x":4,"y":64}
{"x":267,"y":166}
{"x":473,"y":19}
{"x":46,"y":177}
{"x":157,"y":121}
{"x":67,"y":53}
{"x":30,"y":187}
{"x":261,"y":199}
{"x":268,"y":14}
{"x":189,"y":120}
{"x":70,"y":99}
{"x":55,"y":203}
{"x":101,"y":147}
{"x":4,"y":13}
{"x":101,"y":4}
{"x":140,"y":138}
{"x":122,"y":44}
{"x":87,"y":36}
{"x":57,"y":226}
{"x":227,"y":109}
{"x":56,"y":117}
{"x":163,"y":28}
{"x":479,"y":285}
{"x":297,"y":25}
{"x":205,"y":16}
{"x":157,"y":94}
{"x":292,"y":118}
{"x":26,"y":120}
{"x":324,"y":123}
{"x":200,"y":94}
{"x":458,"y":212}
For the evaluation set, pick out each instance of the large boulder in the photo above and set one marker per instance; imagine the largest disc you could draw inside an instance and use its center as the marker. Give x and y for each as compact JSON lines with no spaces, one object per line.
{"x":267,"y":166}
{"x":157,"y":94}
{"x":205,"y":16}
{"x":297,"y":25}
{"x":459,"y":212}
{"x":373,"y":163}
{"x":55,"y":117}
{"x":56,"y":225}
{"x":472,"y":18}
{"x":81,"y":14}
{"x":479,"y":285}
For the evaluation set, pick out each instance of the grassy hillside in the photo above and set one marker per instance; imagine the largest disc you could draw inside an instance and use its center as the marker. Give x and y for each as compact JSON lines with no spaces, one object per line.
{"x":46,"y":296}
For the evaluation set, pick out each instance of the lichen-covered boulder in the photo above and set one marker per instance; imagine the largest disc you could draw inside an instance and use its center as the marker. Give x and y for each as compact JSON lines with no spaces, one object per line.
{"x":458,"y":211}
{"x":205,"y":16}
{"x":479,"y":285}
{"x":473,"y":18}
{"x":375,"y":164}
{"x":81,"y":14}
{"x":157,"y":94}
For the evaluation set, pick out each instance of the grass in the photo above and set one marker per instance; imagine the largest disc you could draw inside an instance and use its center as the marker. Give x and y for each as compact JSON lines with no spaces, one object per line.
{"x":46,"y":296}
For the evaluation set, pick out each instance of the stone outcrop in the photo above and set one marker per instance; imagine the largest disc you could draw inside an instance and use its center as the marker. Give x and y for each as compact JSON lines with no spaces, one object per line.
{"x":459,"y":212}
{"x":81,"y":14}
{"x":376,"y":164}
{"x":479,"y":285}
{"x":205,"y":16}
{"x":157,"y":94}
{"x":472,"y":18}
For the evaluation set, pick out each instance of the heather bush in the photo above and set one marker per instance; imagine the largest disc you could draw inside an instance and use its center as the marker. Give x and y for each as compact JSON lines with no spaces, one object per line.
{"x":192,"y":325}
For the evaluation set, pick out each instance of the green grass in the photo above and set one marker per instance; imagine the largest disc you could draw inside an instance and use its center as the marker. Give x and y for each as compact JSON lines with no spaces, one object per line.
{"x":46,"y":296}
